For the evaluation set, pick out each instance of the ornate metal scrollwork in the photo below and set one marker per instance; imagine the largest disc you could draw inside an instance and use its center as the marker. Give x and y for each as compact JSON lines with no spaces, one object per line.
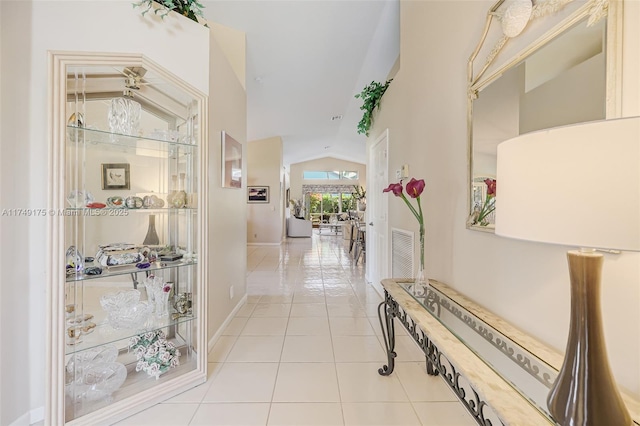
{"x":390,"y":307}
{"x":474,"y":404}
{"x":504,"y":345}
{"x":437,"y":363}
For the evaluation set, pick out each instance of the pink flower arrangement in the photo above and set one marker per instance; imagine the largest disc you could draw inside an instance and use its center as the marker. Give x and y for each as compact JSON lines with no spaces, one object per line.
{"x":479,"y":217}
{"x":414,"y":190}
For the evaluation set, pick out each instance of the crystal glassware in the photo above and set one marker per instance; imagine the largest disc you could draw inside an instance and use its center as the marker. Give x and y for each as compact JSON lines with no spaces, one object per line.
{"x":124,"y":116}
{"x":124,"y":309}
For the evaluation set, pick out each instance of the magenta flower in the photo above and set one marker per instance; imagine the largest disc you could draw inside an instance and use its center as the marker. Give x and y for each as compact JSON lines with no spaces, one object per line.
{"x":166,"y":288}
{"x":396,"y":188}
{"x":491,"y":187}
{"x":480,"y":214}
{"x":415,"y":187}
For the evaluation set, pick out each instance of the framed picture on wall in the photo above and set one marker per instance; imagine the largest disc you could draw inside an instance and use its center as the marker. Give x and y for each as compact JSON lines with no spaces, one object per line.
{"x":258,"y":194}
{"x":116,"y":176}
{"x":231,"y":162}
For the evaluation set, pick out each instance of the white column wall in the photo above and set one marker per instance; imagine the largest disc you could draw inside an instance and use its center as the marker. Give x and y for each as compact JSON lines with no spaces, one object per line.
{"x":29,"y":29}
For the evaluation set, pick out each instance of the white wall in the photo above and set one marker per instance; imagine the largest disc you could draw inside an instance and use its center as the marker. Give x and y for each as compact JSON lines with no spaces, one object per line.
{"x":526,"y":283}
{"x":323,"y":164}
{"x":28,"y":31}
{"x":227,"y":206}
{"x":264,"y":168}
{"x":572,"y":102}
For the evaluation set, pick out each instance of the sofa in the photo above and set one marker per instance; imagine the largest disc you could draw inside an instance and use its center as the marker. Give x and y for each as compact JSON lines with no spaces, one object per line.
{"x":297,"y":227}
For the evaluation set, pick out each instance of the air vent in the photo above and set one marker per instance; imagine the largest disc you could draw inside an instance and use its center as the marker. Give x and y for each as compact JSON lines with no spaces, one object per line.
{"x":401,"y":253}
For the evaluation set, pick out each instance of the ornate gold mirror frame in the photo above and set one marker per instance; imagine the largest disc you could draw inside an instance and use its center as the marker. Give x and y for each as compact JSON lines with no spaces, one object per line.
{"x":528,"y":33}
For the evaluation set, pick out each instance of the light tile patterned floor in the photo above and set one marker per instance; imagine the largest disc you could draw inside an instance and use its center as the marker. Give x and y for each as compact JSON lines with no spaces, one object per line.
{"x":305,"y":350}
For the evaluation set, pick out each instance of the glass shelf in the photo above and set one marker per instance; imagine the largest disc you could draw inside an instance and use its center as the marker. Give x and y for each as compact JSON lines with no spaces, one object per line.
{"x":134,"y":384}
{"x":112,"y":271}
{"x":140,"y":144}
{"x":529,"y":375}
{"x":104,"y":334}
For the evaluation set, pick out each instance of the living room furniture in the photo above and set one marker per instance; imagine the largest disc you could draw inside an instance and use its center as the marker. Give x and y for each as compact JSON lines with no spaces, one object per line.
{"x":332,"y":224}
{"x":333,"y":228}
{"x":500,"y":374}
{"x":297,"y":227}
{"x":360,"y":244}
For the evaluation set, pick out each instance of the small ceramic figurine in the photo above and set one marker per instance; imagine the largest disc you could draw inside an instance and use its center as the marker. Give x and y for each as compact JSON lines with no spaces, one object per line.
{"x":133,"y":202}
{"x":75,"y":261}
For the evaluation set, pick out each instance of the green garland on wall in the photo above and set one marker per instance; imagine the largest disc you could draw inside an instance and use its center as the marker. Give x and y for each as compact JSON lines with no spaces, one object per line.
{"x":371,"y":96}
{"x":189,"y":8}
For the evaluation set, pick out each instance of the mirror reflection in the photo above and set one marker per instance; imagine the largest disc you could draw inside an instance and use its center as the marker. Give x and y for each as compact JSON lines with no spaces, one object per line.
{"x":561,"y":83}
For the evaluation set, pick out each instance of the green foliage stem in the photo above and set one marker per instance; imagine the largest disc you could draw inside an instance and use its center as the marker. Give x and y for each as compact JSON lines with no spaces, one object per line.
{"x":371,"y":96}
{"x":358,"y":192}
{"x":188,"y":8}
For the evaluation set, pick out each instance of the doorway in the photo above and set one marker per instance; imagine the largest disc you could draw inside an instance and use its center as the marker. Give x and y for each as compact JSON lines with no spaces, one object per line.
{"x":377,"y":211}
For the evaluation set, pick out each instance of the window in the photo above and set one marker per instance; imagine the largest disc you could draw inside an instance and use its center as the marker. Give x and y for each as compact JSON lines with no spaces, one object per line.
{"x":321,"y":205}
{"x":330,"y":175}
{"x":350,"y":175}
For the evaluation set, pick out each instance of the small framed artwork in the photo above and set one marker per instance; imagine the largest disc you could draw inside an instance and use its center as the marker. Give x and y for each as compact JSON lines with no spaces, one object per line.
{"x":116,"y":176}
{"x":258,"y":194}
{"x":231,"y":162}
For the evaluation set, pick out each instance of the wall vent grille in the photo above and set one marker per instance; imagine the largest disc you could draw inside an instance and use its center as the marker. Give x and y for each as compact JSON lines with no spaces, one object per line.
{"x":402,"y":246}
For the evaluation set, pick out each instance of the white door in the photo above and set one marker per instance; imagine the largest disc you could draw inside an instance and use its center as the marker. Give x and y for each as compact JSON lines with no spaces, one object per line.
{"x":377,"y":205}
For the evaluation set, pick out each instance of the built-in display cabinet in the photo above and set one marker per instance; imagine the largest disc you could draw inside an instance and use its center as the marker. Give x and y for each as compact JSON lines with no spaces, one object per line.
{"x":127,"y":212}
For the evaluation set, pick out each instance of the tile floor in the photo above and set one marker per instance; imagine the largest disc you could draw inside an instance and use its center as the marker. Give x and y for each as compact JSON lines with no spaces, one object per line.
{"x":305,"y":350}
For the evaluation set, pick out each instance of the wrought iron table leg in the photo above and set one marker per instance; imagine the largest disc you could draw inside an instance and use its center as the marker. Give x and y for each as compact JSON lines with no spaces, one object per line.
{"x":388,"y":333}
{"x":431,"y":368}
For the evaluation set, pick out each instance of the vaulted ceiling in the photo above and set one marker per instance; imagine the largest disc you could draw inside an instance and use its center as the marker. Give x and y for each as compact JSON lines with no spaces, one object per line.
{"x":306,"y":60}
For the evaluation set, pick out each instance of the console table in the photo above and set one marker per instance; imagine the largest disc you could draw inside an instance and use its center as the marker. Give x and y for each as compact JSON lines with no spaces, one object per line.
{"x":500,"y":374}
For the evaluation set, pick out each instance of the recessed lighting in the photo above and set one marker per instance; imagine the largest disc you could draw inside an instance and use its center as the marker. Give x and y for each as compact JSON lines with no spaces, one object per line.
{"x":336,"y":117}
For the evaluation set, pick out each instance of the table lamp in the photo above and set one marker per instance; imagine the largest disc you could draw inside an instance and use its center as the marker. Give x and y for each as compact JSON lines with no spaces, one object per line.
{"x":577,"y":185}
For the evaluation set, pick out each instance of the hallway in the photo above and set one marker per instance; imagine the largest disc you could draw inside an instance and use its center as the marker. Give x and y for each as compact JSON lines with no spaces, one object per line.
{"x":305,"y":350}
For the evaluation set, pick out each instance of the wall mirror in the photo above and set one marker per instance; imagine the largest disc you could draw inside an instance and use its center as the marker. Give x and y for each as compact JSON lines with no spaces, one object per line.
{"x":562,"y":76}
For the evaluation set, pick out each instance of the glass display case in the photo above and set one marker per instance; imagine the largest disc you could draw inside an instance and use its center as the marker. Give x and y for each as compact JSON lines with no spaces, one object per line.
{"x":130,"y":318}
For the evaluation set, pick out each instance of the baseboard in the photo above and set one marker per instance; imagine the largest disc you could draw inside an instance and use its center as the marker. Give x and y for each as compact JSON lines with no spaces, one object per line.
{"x":378,"y":288}
{"x":32,"y":417}
{"x":226,"y":322}
{"x":23,"y":420}
{"x":36,"y":415}
{"x":263,"y":244}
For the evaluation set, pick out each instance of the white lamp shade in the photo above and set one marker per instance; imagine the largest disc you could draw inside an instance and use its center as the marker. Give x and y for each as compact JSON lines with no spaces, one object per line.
{"x":576,"y":185}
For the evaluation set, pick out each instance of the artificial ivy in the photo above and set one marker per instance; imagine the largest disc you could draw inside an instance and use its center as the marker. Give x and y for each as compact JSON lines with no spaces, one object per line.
{"x":371,"y":96}
{"x":188,"y":8}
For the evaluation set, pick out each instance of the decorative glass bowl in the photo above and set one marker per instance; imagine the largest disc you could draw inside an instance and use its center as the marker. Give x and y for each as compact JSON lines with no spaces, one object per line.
{"x":124,"y":309}
{"x":82,"y":360}
{"x":101,"y":380}
{"x":98,"y":381}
